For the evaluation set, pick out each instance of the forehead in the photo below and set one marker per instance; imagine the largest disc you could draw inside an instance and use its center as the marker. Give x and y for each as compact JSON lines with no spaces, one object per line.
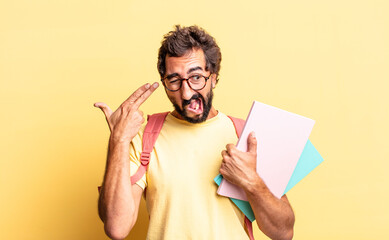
{"x":181,"y":65}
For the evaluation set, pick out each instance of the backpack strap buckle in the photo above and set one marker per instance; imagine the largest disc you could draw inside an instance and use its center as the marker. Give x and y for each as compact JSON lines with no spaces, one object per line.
{"x":145,"y":158}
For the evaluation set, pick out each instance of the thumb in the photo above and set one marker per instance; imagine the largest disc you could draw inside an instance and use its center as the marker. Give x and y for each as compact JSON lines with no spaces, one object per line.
{"x":252,"y":143}
{"x":104,"y":107}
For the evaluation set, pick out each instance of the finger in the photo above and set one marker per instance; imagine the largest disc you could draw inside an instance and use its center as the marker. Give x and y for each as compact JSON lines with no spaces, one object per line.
{"x":139,"y":92}
{"x":135,"y":95}
{"x":230,"y":149}
{"x":223,"y":170}
{"x":145,"y":95}
{"x":104,"y":107}
{"x":252,"y":143}
{"x":223,"y":166}
{"x":224,"y":154}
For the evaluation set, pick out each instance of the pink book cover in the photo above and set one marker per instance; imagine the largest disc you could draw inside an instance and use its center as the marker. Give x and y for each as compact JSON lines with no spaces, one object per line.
{"x":281,"y":137}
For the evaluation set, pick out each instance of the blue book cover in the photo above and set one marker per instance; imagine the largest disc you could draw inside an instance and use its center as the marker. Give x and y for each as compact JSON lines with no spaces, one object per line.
{"x":309,"y":160}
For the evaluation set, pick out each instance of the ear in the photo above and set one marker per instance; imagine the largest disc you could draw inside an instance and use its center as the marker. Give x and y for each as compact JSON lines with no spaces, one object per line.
{"x":213,"y":80}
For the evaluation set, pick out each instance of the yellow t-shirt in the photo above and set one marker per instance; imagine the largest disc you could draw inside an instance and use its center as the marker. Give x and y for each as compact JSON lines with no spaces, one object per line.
{"x":181,"y":195}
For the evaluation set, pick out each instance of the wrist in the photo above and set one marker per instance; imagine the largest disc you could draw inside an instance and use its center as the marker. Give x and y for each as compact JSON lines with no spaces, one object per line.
{"x":254,"y":185}
{"x":117,"y":141}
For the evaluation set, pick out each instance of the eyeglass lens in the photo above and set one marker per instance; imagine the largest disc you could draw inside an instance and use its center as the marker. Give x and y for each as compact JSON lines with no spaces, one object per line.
{"x":196,"y":82}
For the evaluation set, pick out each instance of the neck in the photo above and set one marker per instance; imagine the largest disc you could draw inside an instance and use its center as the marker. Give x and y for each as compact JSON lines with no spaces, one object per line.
{"x":212,"y":113}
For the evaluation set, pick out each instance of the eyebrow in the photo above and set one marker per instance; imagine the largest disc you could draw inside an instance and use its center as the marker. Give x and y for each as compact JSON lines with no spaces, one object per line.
{"x":195,"y":69}
{"x":189,"y":71}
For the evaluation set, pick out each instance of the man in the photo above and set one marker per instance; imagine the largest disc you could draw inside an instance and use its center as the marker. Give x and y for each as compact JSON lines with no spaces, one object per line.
{"x":181,"y":195}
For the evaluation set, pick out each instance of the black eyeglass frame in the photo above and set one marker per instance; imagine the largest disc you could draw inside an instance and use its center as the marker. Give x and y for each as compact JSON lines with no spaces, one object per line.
{"x":187,"y":80}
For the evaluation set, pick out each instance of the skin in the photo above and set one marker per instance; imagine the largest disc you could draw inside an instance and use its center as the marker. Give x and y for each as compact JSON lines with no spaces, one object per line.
{"x":182,"y":66}
{"x":274,"y":216}
{"x":119,"y":200}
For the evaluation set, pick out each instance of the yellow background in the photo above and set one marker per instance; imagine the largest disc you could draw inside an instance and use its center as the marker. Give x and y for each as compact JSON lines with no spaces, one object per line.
{"x":327,"y":60}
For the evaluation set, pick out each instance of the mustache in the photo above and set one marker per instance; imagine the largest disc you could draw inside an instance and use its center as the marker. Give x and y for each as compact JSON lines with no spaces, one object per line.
{"x":194,"y":97}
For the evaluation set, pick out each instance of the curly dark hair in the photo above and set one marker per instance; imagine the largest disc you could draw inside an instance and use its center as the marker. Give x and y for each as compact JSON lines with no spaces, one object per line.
{"x":183,"y":39}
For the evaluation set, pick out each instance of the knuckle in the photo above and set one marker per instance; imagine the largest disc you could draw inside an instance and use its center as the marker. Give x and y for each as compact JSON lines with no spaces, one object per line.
{"x":139,"y":117}
{"x":132,"y":107}
{"x":139,"y":114}
{"x":143,"y":96}
{"x":136,"y":93}
{"x":232,"y":151}
{"x":121,"y":111}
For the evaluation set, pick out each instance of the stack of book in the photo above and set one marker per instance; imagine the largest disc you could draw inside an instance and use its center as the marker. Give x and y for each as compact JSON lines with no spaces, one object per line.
{"x":284,"y":156}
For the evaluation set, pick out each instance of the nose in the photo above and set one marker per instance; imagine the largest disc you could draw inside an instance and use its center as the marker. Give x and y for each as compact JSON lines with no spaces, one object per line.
{"x":186,"y":90}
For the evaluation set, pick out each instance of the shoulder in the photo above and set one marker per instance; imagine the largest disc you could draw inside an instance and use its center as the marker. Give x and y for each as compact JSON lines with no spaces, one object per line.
{"x":232,"y":119}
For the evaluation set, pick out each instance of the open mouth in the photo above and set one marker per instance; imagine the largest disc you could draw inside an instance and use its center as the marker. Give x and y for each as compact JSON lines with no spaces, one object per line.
{"x":195,"y":106}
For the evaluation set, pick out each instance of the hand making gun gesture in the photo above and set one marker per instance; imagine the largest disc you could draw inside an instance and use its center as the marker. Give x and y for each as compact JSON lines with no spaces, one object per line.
{"x":127,"y":120}
{"x":119,"y":200}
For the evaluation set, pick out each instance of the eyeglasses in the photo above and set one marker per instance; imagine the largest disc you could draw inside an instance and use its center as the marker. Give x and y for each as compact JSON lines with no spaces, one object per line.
{"x":195,"y":82}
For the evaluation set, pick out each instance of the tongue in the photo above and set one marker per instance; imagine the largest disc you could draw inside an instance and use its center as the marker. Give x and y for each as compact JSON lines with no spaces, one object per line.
{"x":194,"y":106}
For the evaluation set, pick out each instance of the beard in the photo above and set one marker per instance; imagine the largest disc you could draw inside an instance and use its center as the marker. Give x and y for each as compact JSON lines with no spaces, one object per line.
{"x":207,"y":105}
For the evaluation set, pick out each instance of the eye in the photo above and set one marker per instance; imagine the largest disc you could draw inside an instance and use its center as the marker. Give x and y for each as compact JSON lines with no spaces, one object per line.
{"x":174,"y":81}
{"x":195,"y":78}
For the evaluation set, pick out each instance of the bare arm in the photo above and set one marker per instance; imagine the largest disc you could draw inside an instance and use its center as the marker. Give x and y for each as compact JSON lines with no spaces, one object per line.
{"x":274,"y":216}
{"x":118,"y":200}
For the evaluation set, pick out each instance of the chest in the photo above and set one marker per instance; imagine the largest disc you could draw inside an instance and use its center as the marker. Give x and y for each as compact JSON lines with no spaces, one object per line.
{"x":187,"y":160}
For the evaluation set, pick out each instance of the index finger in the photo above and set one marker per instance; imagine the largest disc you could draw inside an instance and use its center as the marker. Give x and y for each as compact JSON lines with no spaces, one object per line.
{"x":145,"y":95}
{"x":230,"y":148}
{"x":135,"y":95}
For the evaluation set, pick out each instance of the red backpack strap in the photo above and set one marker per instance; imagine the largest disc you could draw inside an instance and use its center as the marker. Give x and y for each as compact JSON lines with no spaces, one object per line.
{"x":150,"y":135}
{"x":249,"y":226}
{"x":239,"y":124}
